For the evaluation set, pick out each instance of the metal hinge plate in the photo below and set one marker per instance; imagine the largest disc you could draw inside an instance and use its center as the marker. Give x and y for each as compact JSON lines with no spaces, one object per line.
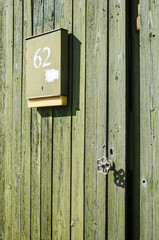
{"x":138,"y":19}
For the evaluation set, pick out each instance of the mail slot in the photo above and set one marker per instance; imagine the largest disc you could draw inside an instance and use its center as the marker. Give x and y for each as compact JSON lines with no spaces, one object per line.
{"x":47,"y":69}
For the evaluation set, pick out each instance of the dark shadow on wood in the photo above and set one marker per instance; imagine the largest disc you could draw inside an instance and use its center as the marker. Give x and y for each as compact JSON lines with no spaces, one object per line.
{"x":119,"y":178}
{"x":133,"y":125}
{"x":45,"y":112}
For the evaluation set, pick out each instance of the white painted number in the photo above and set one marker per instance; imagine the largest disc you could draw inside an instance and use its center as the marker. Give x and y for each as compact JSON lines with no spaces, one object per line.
{"x":45,"y":64}
{"x":38,"y":58}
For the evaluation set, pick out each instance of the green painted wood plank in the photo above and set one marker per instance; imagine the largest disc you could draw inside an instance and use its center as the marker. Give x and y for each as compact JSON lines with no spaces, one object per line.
{"x":35,"y":177}
{"x":8,"y":117}
{"x":36,"y":141}
{"x":149,"y":119}
{"x":46,"y":174}
{"x":117,"y":119}
{"x":62,"y":140}
{"x":43,"y":21}
{"x":16,"y":118}
{"x":46,"y":146}
{"x":2,"y":122}
{"x":49,"y":15}
{"x":26,"y":118}
{"x":78,"y":110}
{"x":96,"y":112}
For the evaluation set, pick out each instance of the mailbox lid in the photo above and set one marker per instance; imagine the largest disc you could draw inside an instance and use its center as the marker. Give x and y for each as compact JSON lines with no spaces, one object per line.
{"x":47,"y":64}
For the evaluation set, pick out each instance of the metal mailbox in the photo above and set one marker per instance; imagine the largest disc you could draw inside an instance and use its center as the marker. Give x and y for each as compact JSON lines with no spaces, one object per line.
{"x":47,"y":69}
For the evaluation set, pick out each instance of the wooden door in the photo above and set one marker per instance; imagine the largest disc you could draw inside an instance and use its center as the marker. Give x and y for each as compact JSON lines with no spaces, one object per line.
{"x":49,"y":184}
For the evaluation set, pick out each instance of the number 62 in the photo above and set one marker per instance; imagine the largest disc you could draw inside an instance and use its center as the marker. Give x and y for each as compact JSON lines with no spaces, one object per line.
{"x":38,"y":58}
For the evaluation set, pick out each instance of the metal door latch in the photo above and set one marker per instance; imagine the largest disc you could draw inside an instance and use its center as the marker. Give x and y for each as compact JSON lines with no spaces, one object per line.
{"x":138,"y":19}
{"x":104,"y":165}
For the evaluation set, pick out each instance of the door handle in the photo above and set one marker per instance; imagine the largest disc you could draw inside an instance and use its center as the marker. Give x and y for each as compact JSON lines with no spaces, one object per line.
{"x":104,"y":165}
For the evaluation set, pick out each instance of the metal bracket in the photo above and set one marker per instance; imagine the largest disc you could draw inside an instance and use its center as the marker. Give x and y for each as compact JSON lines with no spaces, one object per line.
{"x":104,"y":165}
{"x":138,"y":19}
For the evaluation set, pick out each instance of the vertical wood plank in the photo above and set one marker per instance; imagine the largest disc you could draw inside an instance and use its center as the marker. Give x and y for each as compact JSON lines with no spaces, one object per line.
{"x":149,"y":129}
{"x":8,"y":116}
{"x":78,"y":110}
{"x":26,"y":119}
{"x":35,"y":177}
{"x":46,"y":175}
{"x":96,"y":112}
{"x":36,"y":140}
{"x":43,"y":21}
{"x":117,"y":119}
{"x":62,"y":140}
{"x":17,"y":127}
{"x":2,"y":120}
{"x":49,"y":15}
{"x":46,"y":145}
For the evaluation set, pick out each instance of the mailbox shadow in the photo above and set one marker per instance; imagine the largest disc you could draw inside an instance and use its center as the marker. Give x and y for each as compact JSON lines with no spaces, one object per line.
{"x":76,"y":47}
{"x":73,"y":105}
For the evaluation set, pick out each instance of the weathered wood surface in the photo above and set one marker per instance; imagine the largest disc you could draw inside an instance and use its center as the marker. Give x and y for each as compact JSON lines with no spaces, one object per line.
{"x":117,"y":119}
{"x":2,"y":123}
{"x":25,"y":135}
{"x":95,"y":118}
{"x":149,"y":121}
{"x":17,"y":64}
{"x":36,"y":139}
{"x":49,"y":185}
{"x":78,"y":113}
{"x":41,"y":171}
{"x":62,"y":140}
{"x":46,"y":145}
{"x":8,"y":117}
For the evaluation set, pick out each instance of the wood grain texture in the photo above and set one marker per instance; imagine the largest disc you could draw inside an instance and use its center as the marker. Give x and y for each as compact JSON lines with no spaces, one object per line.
{"x":8,"y":116}
{"x":25,"y":136}
{"x":117,"y":119}
{"x":36,"y":139}
{"x":95,"y":115}
{"x":46,"y":174}
{"x":16,"y":118}
{"x":46,"y":145}
{"x":2,"y":122}
{"x":62,"y":140}
{"x":149,"y":140}
{"x":78,"y":121}
{"x":52,"y":188}
{"x":35,"y":177}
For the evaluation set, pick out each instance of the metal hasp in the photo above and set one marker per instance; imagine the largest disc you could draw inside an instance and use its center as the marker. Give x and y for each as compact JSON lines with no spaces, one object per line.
{"x":47,"y":69}
{"x":138,"y":19}
{"x":104,"y":165}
